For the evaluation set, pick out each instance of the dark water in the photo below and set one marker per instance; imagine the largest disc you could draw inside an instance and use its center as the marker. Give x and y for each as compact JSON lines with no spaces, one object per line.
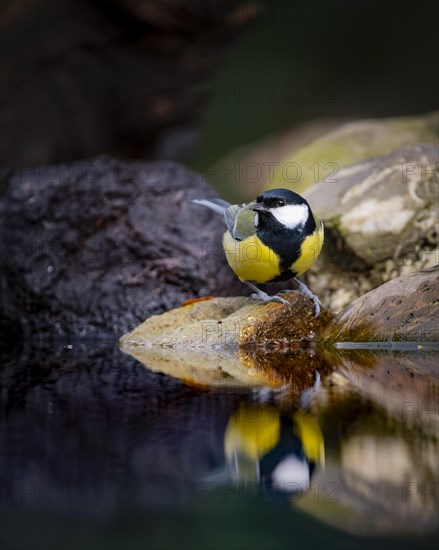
{"x":99,"y":452}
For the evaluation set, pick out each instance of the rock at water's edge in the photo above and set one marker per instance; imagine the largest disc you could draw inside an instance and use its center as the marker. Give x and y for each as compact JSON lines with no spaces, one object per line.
{"x":405,"y":309}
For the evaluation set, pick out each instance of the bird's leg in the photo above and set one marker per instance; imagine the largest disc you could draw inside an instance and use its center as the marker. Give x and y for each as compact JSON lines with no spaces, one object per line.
{"x":261,"y":295}
{"x":305,"y":290}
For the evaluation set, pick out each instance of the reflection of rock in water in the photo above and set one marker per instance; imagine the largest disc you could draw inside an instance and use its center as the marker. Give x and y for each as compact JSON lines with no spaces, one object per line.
{"x":400,"y":481}
{"x":99,"y":432}
{"x":291,"y":370}
{"x":381,"y":465}
{"x":105,"y":433}
{"x":404,"y":384}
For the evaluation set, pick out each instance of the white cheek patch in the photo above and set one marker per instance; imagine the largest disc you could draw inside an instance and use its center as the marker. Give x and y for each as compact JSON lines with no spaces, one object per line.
{"x":291,"y":215}
{"x":292,"y":473}
{"x":256,"y":220}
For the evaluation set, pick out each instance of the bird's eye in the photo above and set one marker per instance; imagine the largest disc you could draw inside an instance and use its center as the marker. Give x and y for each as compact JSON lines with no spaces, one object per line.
{"x":281,"y":202}
{"x":259,"y":198}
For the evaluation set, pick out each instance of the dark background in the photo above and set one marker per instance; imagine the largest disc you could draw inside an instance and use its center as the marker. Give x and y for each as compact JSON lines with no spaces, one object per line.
{"x":192,"y":80}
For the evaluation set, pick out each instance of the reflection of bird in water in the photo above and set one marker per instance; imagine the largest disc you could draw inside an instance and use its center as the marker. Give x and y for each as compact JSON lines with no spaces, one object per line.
{"x":278,"y":452}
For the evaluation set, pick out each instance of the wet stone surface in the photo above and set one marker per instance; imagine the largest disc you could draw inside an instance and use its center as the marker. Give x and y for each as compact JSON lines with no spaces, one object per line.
{"x":91,"y":249}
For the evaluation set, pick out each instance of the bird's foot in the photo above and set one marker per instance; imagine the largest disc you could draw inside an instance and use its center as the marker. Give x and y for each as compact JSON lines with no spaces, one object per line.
{"x":306,"y":291}
{"x":303,"y":289}
{"x":261,"y":295}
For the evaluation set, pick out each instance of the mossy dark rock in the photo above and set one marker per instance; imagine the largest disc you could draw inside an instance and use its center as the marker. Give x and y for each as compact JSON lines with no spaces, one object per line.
{"x":404,"y":309}
{"x":233,"y":342}
{"x":231,"y":322}
{"x":381,"y":208}
{"x":354,"y":142}
{"x":381,"y":222}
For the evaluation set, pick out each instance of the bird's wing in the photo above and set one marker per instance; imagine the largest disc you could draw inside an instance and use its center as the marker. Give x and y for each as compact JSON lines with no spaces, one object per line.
{"x":238,"y":218}
{"x":240,"y":221}
{"x":230,"y":216}
{"x":217,"y":205}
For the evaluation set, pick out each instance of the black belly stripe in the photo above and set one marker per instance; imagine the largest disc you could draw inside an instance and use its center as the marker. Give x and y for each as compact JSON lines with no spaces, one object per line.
{"x":284,"y":276}
{"x":286,"y":244}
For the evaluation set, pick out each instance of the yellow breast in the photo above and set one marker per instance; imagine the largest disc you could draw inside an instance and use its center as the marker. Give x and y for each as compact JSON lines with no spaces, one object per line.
{"x":250,"y":259}
{"x":311,"y":247}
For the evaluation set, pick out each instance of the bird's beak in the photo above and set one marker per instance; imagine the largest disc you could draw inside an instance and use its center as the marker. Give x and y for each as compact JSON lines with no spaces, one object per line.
{"x":257,"y":207}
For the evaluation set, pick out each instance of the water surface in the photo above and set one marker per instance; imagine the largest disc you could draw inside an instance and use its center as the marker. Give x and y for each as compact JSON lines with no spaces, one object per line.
{"x":99,"y":452}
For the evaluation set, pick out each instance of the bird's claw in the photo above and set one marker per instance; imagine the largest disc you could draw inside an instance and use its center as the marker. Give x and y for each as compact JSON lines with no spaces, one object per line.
{"x":303,"y":289}
{"x":280,"y":300}
{"x":316,"y":307}
{"x":267,"y":298}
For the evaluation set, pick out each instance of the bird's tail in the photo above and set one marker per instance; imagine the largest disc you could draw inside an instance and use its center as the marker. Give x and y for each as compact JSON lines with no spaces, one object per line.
{"x":217,"y":205}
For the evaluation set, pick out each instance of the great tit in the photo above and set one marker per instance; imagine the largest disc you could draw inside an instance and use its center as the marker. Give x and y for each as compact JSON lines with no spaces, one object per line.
{"x":275,"y":238}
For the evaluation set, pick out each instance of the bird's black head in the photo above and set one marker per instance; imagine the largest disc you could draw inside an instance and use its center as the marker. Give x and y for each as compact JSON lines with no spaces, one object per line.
{"x":275,"y":198}
{"x":284,"y":207}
